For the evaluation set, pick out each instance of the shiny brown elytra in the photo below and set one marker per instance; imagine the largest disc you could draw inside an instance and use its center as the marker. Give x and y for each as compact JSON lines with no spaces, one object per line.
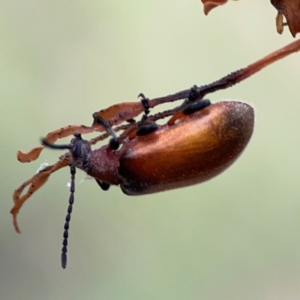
{"x":195,"y":149}
{"x":198,"y":142}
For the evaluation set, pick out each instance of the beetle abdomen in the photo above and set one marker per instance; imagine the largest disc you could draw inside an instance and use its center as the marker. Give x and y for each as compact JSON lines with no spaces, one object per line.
{"x":195,"y":149}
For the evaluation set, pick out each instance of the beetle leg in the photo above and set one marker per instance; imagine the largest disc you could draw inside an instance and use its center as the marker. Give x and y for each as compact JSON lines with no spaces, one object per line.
{"x":104,"y":185}
{"x":146,"y":128}
{"x":193,"y":93}
{"x":189,"y":109}
{"x":126,"y":128}
{"x":232,"y":78}
{"x":196,"y":106}
{"x":145,"y":102}
{"x":114,"y":142}
{"x":227,"y":81}
{"x":242,"y":74}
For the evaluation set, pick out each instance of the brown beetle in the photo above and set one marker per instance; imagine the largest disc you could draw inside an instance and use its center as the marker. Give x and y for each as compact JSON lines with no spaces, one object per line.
{"x":198,"y":142}
{"x":196,"y":148}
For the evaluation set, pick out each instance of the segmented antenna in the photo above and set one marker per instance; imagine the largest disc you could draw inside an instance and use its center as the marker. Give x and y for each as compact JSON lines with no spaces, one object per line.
{"x":68,"y":219}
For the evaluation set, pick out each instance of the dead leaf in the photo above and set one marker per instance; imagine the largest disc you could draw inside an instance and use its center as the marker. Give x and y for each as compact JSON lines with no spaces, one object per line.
{"x":290,"y":9}
{"x":287,"y":9}
{"x":210,"y":4}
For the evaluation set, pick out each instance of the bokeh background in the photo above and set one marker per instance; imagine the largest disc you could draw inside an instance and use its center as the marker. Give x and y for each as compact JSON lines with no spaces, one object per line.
{"x":234,"y":237}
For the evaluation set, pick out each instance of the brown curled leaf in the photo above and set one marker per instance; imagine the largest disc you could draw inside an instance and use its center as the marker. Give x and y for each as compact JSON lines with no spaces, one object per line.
{"x":29,"y":156}
{"x":210,"y":4}
{"x":290,"y":9}
{"x":127,"y":110}
{"x":35,"y":182}
{"x":52,"y":137}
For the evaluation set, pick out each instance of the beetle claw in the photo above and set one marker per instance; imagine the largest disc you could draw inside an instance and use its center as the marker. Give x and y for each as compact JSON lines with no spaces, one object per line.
{"x":193,"y":93}
{"x":141,"y":95}
{"x":145,"y":103}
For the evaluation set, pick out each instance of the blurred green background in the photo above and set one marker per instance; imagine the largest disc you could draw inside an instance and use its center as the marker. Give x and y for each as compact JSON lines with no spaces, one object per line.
{"x":234,"y":237}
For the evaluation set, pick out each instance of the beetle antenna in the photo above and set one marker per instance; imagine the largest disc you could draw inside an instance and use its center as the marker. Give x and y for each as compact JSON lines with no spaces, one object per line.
{"x":53,"y":146}
{"x":68,"y":219}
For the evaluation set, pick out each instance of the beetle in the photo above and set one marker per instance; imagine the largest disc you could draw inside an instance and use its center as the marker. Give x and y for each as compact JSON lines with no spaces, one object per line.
{"x":198,"y":142}
{"x":198,"y":146}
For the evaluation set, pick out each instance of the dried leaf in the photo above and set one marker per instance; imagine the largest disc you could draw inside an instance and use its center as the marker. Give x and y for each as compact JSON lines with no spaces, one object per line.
{"x":290,"y":9}
{"x":210,"y":4}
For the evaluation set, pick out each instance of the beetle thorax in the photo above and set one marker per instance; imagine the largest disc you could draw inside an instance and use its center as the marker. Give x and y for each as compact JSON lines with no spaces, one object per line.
{"x":103,"y":164}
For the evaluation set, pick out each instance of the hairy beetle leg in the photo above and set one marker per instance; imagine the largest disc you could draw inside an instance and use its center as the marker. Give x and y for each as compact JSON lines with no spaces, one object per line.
{"x":114,"y":142}
{"x":196,"y":106}
{"x":145,"y":102}
{"x":146,"y":128}
{"x":104,"y":185}
{"x":189,"y":109}
{"x":193,"y":93}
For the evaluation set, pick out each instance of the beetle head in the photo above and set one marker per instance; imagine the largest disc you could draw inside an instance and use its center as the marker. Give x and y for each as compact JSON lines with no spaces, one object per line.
{"x":79,"y":148}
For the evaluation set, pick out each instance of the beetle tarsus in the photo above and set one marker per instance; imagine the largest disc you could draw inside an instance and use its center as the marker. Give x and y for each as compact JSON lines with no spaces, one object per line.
{"x":196,"y":106}
{"x":146,"y":128}
{"x":145,"y":103}
{"x":114,"y":142}
{"x":193,"y":94}
{"x":223,"y":83}
{"x":104,"y":185}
